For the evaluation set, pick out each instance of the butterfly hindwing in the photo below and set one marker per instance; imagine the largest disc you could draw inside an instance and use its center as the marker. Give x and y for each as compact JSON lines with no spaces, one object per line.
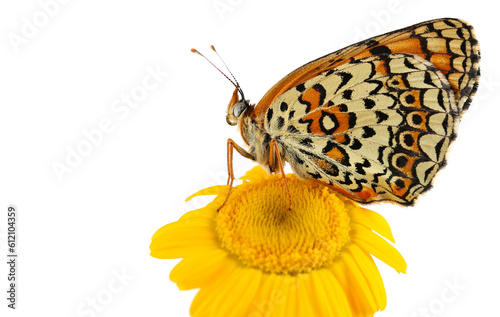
{"x":375,"y":128}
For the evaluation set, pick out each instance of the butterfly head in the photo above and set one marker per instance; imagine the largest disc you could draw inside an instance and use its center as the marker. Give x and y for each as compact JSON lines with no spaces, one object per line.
{"x":237,"y":108}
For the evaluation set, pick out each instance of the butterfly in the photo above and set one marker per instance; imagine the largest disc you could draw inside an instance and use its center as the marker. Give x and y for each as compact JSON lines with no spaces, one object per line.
{"x":372,"y":121}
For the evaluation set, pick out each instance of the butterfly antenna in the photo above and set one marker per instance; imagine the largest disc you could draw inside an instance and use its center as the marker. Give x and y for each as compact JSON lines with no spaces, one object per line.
{"x":232,"y":82}
{"x":237,"y":84}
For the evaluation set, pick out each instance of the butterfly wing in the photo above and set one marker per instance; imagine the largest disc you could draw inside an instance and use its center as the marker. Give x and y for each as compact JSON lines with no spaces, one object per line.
{"x":450,"y":44}
{"x":374,"y":129}
{"x":377,"y":124}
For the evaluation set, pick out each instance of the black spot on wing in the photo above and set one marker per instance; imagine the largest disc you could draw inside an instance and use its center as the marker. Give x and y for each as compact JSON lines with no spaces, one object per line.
{"x":408,"y":64}
{"x":292,"y":129}
{"x":356,"y":145}
{"x":409,"y":99}
{"x":369,"y":103}
{"x":448,"y":22}
{"x":300,"y":87}
{"x":352,"y":119}
{"x":408,"y":140}
{"x":360,"y":167}
{"x":347,"y":94}
{"x":368,"y":132}
{"x":379,"y":86}
{"x":400,"y":183}
{"x":381,"y":116}
{"x":428,"y":79}
{"x":314,"y":175}
{"x":427,"y":174}
{"x":416,"y":118}
{"x":439,"y":147}
{"x":445,"y":125}
{"x":269,"y":116}
{"x":306,"y":142}
{"x":401,"y":161}
{"x":281,"y":122}
{"x":380,"y":50}
{"x":347,"y":179}
{"x":345,"y":77}
{"x":342,"y":107}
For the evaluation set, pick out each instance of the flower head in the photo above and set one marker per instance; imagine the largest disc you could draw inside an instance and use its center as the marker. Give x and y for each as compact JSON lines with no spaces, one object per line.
{"x":256,"y":257}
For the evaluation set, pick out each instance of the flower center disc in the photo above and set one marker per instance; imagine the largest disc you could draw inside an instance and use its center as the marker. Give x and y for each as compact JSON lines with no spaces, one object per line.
{"x":257,"y":226}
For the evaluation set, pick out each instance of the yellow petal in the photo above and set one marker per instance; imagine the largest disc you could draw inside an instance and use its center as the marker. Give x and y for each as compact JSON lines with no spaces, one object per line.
{"x":213,"y":190}
{"x":201,"y":270}
{"x":178,"y":242}
{"x":337,"y":294}
{"x":376,"y":245}
{"x":371,"y":273}
{"x":358,"y":302}
{"x":202,"y":305}
{"x":274,"y":298}
{"x":210,"y":210}
{"x":292,"y":300}
{"x":357,"y":278}
{"x":303,"y":296}
{"x":180,"y":225}
{"x":372,"y":220}
{"x":205,"y":212}
{"x":240,"y":296}
{"x":320,"y":294}
{"x":231,"y":297}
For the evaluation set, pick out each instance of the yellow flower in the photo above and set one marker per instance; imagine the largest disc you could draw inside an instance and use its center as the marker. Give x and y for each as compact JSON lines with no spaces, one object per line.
{"x":257,"y":258}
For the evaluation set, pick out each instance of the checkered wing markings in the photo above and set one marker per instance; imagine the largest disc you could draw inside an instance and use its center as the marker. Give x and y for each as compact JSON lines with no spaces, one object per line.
{"x":450,"y":44}
{"x":376,"y":128}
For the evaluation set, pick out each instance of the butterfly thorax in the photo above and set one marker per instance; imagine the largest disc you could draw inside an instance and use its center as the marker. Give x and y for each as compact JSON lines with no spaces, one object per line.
{"x":240,"y":112}
{"x":258,"y":141}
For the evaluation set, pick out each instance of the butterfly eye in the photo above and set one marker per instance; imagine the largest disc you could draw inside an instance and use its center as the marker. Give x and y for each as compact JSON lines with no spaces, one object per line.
{"x":239,"y":108}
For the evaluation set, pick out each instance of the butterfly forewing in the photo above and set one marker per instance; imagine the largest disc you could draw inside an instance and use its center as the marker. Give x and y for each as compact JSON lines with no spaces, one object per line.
{"x":374,"y":120}
{"x":449,"y":44}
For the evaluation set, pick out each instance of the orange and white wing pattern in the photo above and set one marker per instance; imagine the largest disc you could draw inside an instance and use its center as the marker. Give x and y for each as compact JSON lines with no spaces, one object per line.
{"x":374,"y":120}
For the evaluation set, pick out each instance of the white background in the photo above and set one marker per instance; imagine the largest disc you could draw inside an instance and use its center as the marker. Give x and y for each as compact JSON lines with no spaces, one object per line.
{"x":78,"y":231}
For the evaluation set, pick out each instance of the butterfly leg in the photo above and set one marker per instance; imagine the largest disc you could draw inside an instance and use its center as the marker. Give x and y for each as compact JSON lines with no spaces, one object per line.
{"x":231,"y":145}
{"x":275,"y":151}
